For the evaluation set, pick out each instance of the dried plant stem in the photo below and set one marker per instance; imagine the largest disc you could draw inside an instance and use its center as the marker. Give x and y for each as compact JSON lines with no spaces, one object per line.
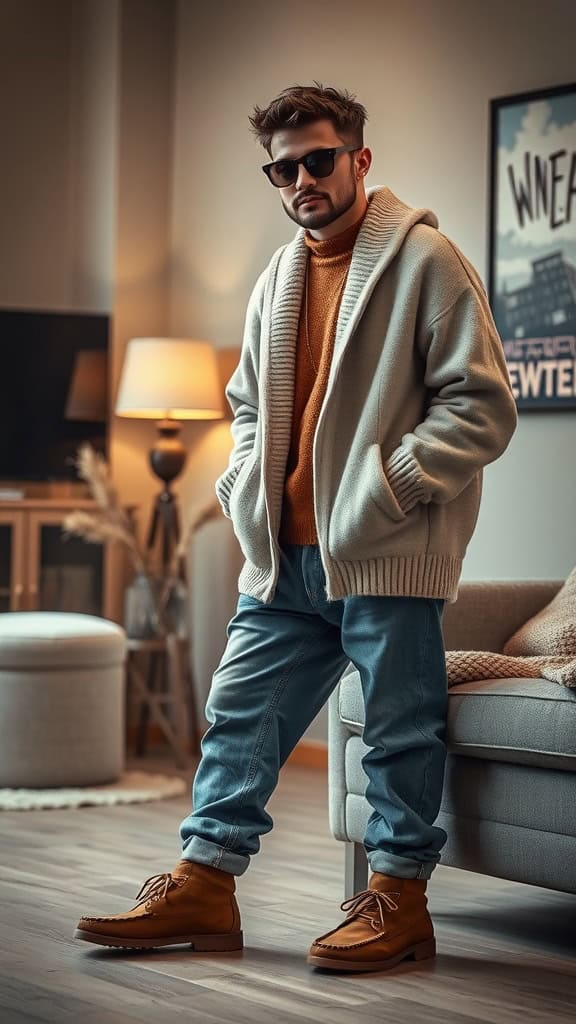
{"x":98,"y":530}
{"x":111,"y":523}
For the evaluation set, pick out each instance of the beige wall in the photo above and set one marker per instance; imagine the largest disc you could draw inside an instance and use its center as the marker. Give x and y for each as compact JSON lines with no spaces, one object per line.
{"x":86,"y":104}
{"x":141,"y":262}
{"x":57,"y":78}
{"x":426,"y":70}
{"x":131,"y":184}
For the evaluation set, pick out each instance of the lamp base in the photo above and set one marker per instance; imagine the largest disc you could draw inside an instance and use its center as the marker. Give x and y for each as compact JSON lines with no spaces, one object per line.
{"x":168,"y":456}
{"x":167,"y":460}
{"x":164,"y":521}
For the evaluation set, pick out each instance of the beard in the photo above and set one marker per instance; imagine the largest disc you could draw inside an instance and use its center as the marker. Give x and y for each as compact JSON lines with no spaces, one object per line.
{"x":314,"y":220}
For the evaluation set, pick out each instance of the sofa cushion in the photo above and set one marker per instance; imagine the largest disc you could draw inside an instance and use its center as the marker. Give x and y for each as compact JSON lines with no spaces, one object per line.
{"x":526,"y":721}
{"x":489,"y":791}
{"x":552,"y":630}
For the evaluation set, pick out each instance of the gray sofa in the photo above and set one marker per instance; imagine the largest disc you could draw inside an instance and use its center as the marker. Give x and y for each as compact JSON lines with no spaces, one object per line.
{"x":509,"y":803}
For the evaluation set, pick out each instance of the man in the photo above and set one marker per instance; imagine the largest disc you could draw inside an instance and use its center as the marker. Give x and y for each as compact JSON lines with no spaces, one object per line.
{"x":370,"y":393}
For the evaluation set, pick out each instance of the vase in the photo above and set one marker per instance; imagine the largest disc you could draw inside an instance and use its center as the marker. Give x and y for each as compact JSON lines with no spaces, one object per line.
{"x":141,"y":618}
{"x":154,"y":607}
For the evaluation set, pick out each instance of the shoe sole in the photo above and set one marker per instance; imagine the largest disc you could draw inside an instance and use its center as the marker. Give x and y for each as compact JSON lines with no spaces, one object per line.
{"x":422,"y":951}
{"x":199,"y":943}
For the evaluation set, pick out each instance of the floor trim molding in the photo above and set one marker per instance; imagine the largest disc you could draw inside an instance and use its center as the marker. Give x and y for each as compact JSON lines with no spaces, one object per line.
{"x":307,"y":753}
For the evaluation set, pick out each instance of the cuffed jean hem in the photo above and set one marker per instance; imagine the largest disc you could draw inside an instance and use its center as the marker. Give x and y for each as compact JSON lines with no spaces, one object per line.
{"x":202,"y":851}
{"x":399,"y":867}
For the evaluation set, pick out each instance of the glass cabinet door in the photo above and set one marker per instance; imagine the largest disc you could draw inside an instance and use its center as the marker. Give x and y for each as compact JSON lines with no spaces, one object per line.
{"x":68,"y":574}
{"x":11,"y":567}
{"x":6,"y":531}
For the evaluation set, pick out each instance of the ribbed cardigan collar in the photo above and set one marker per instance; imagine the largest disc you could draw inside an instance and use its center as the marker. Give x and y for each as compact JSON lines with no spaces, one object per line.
{"x":386,"y":223}
{"x":385,"y":226}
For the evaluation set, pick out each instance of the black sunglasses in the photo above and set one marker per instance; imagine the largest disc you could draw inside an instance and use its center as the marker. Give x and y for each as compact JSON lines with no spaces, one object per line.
{"x":319,"y":163}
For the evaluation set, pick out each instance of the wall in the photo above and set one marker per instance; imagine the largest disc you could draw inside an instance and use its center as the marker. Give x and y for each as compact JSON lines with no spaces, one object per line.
{"x":86,"y":102}
{"x":141,"y":266}
{"x":426,"y":72}
{"x":86,"y":98}
{"x":131,"y":185}
{"x":57,"y":80}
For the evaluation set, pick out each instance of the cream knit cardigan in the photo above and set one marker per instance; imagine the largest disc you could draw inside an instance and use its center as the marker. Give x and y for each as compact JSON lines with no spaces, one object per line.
{"x":417,"y":402}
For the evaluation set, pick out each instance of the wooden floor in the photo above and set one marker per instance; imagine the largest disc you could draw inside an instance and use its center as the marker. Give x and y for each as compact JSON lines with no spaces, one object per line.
{"x":506,"y":952}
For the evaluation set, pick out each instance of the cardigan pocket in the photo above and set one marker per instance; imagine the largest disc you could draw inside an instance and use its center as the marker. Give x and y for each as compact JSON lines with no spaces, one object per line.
{"x":249,"y":514}
{"x":383,"y":494}
{"x":224,"y":486}
{"x":240,"y":480}
{"x":366,"y":520}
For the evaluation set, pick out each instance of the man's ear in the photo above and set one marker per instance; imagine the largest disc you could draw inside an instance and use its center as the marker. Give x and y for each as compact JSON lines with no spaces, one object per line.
{"x":363,"y":162}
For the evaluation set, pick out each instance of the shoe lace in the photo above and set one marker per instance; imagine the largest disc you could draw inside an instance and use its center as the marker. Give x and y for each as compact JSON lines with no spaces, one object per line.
{"x":157,"y":886}
{"x":371,"y":905}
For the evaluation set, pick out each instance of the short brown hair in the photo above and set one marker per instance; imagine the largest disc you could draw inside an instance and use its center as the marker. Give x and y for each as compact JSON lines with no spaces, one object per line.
{"x":302,"y":104}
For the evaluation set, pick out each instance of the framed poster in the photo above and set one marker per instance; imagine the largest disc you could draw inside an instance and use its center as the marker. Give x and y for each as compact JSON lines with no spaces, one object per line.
{"x":532,"y":259}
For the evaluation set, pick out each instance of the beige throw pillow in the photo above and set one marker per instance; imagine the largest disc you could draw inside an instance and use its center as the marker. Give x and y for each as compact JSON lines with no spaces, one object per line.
{"x":552,"y":631}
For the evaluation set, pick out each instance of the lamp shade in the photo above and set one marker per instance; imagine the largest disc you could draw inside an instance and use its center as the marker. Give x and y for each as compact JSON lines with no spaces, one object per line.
{"x":169,"y":378}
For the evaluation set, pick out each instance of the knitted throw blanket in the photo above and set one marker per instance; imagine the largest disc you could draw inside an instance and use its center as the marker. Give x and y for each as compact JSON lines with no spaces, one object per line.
{"x":468,"y":666}
{"x":544,"y":647}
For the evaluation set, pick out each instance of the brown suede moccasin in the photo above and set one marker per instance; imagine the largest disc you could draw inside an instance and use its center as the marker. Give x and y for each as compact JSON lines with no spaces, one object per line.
{"x":386,"y":923}
{"x":193,"y":904}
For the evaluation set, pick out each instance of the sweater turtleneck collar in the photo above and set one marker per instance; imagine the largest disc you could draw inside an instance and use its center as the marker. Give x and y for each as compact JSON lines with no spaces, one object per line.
{"x":338,"y":244}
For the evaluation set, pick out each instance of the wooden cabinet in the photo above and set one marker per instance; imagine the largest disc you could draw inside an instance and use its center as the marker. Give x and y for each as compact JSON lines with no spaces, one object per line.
{"x":43,"y":569}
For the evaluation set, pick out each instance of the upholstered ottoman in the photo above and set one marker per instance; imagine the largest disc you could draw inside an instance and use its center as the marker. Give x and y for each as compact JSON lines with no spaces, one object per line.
{"x":61,"y":700}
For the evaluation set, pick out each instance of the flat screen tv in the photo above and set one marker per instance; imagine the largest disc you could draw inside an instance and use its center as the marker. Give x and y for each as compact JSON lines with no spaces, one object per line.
{"x":53,"y":391}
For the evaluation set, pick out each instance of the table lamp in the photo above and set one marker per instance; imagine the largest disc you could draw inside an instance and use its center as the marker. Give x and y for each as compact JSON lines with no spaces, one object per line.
{"x":169,"y":380}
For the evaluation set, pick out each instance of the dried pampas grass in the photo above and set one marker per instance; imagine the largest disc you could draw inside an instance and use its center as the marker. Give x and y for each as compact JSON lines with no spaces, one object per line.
{"x":93,"y":468}
{"x":98,"y":530}
{"x":112,"y":523}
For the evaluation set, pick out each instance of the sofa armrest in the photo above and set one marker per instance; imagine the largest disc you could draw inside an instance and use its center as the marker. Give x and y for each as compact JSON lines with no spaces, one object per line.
{"x":487,"y":612}
{"x":338,"y":736}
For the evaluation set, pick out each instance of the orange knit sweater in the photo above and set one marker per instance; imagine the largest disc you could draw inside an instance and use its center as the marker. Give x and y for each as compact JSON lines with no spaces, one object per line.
{"x":328,"y":265}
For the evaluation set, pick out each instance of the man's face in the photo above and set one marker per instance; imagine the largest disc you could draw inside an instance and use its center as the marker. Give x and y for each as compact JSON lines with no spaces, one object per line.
{"x":314,"y":203}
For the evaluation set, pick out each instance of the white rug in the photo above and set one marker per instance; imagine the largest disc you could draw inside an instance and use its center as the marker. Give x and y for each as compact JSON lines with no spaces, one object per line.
{"x":130,"y":788}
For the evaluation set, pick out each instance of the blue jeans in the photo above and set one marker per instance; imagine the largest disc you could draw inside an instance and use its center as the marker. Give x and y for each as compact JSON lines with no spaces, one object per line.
{"x":281,"y":663}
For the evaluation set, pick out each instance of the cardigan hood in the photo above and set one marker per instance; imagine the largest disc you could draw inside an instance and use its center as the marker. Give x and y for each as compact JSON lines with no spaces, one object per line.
{"x":386,"y":224}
